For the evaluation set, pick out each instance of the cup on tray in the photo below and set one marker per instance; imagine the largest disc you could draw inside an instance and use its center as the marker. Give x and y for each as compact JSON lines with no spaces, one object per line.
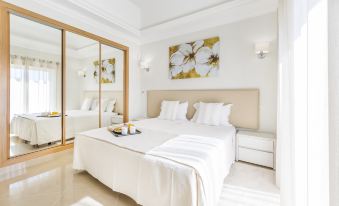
{"x":132,"y":129}
{"x":124,"y":130}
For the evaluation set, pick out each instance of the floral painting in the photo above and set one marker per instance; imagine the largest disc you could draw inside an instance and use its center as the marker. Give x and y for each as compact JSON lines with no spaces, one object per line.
{"x":195,"y":59}
{"x":107,"y":70}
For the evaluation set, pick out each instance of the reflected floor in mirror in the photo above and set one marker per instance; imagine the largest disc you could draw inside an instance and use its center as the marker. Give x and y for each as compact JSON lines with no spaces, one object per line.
{"x":55,"y":183}
{"x":21,"y":147}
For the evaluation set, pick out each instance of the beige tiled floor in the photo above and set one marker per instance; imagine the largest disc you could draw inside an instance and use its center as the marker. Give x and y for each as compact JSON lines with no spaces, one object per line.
{"x":55,"y":183}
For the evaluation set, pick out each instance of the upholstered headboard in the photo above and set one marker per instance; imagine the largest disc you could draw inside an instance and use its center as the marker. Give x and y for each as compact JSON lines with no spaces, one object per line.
{"x":118,"y":95}
{"x":245,"y":110}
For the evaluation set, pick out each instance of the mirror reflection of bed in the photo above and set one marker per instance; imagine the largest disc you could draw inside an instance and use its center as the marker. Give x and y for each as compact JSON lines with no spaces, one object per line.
{"x":36,"y":86}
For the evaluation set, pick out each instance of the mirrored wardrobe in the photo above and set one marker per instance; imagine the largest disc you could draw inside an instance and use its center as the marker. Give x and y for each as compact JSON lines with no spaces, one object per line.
{"x":59,"y":81}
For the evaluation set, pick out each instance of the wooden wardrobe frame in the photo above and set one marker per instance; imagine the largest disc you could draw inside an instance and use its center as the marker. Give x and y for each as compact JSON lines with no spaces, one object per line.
{"x":5,"y":10}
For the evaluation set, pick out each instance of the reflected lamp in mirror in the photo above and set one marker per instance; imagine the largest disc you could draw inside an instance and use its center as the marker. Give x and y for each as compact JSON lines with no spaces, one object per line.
{"x":82,"y":73}
{"x":262,"y":49}
{"x":145,"y":65}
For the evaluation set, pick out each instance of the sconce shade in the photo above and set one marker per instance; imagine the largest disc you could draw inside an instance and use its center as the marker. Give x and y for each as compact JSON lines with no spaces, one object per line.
{"x":145,"y":65}
{"x":261,"y":49}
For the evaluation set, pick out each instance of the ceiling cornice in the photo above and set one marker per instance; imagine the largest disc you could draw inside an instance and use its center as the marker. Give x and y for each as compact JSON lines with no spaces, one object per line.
{"x":110,"y":17}
{"x":212,"y":17}
{"x":199,"y":14}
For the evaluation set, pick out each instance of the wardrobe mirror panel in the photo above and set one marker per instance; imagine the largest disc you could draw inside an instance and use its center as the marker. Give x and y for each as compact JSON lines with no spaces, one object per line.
{"x":112,"y":101}
{"x":35,"y":86}
{"x":82,"y":85}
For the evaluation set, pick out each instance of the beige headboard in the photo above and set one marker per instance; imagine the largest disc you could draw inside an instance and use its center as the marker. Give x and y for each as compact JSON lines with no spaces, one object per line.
{"x":118,"y":95}
{"x":245,"y":110}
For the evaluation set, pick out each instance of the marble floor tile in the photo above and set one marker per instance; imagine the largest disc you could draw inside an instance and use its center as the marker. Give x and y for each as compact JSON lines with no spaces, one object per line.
{"x":55,"y":183}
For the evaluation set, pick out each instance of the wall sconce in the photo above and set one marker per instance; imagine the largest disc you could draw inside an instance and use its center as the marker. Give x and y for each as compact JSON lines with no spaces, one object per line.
{"x":82,"y":73}
{"x":145,"y":65}
{"x":262,"y":49}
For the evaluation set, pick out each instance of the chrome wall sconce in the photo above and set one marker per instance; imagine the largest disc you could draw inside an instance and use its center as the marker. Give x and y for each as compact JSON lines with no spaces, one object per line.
{"x":262,"y":49}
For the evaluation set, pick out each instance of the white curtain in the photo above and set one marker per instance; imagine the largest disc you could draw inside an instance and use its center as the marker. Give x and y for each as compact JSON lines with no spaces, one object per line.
{"x":33,"y":86}
{"x":302,"y":132}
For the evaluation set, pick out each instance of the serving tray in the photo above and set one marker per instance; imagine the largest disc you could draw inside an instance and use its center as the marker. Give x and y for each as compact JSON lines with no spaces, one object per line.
{"x":118,"y":134}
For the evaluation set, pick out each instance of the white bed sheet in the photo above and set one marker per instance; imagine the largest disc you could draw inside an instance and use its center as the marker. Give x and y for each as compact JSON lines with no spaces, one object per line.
{"x":42,"y":130}
{"x":152,"y":170}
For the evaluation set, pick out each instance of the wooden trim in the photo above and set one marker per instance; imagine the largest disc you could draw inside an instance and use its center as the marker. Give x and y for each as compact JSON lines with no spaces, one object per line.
{"x":100,"y":109}
{"x":63,"y":86}
{"x":4,"y":84}
{"x":5,"y":10}
{"x":126,"y":85}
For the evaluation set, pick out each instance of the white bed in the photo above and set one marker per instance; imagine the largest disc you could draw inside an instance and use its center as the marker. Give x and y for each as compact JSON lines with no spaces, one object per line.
{"x":171,"y":163}
{"x":41,"y":130}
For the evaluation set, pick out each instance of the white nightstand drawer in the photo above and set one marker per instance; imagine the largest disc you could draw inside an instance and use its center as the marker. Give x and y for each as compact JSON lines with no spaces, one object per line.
{"x":256,"y":143}
{"x":256,"y":157}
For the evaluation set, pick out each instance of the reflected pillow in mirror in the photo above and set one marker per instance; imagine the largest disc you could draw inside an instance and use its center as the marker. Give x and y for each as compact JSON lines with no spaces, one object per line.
{"x":110,"y":106}
{"x":86,"y":104}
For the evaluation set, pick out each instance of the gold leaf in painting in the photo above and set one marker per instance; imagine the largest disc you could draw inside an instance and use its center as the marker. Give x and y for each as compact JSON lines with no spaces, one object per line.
{"x":96,"y":63}
{"x":173,"y":49}
{"x":111,"y":61}
{"x":211,"y":41}
{"x":187,"y":75}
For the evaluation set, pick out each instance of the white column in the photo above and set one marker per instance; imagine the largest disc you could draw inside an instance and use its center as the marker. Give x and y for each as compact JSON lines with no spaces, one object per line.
{"x":334,"y":100}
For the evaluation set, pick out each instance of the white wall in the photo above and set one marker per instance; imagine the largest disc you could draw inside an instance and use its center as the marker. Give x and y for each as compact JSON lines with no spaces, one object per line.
{"x":239,"y":66}
{"x":74,"y":85}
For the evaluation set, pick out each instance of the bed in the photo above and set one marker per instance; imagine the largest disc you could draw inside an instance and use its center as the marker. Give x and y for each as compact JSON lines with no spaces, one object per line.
{"x":41,"y":130}
{"x":172,"y":162}
{"x":160,"y":166}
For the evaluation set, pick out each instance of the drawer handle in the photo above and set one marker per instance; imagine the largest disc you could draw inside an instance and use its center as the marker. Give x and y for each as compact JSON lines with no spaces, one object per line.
{"x":256,"y":149}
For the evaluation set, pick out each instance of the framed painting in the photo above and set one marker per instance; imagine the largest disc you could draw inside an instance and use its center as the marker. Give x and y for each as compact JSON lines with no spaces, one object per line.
{"x":107,"y":70}
{"x":195,"y":59}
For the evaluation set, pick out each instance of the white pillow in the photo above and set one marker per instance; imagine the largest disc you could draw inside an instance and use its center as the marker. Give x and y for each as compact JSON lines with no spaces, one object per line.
{"x":94,"y":104}
{"x":225,"y":115}
{"x":86,"y":104}
{"x":209,"y":113}
{"x":104,"y":103}
{"x":110,"y":105}
{"x":169,"y":110}
{"x":182,"y":111}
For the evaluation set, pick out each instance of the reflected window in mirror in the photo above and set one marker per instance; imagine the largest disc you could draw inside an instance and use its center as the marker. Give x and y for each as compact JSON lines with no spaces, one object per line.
{"x":35,"y":86}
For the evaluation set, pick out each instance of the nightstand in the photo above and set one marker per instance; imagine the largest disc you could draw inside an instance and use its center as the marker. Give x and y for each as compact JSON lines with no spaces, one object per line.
{"x":256,"y":147}
{"x":117,"y":119}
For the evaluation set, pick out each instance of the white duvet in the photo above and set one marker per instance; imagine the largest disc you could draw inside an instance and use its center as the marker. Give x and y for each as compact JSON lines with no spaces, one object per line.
{"x":172,"y":163}
{"x":42,"y":130}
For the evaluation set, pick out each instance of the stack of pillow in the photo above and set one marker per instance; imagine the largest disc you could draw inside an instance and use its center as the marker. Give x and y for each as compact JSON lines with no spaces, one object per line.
{"x":90,"y":104}
{"x":206,"y":113}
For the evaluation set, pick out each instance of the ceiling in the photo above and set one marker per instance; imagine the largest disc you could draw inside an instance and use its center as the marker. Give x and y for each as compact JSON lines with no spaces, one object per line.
{"x":155,"y":12}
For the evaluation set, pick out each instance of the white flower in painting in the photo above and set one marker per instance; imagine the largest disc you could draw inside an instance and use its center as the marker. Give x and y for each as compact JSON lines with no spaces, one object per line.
{"x":176,"y":61}
{"x":184,"y":59}
{"x":207,"y":60}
